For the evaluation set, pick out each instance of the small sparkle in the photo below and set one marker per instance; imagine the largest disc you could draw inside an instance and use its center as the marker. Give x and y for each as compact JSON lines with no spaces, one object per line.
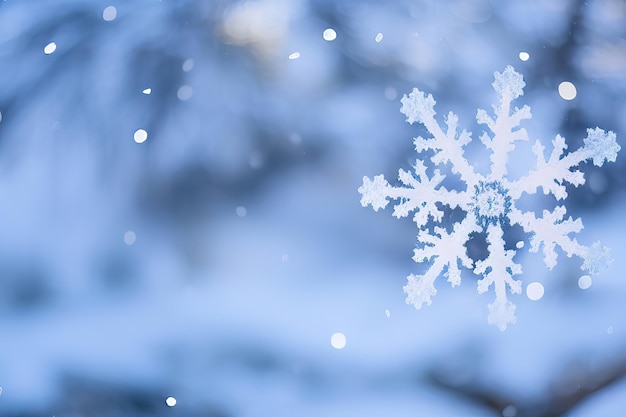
{"x":294,"y":55}
{"x":170,"y":401}
{"x":147,"y":91}
{"x":524,"y":56}
{"x":379,"y":37}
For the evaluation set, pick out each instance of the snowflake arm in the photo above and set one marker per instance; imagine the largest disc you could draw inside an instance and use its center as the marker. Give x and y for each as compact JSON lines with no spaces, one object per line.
{"x":498,"y":270}
{"x":600,"y":146}
{"x":509,"y":85}
{"x":551,"y":175}
{"x":447,"y":147}
{"x":596,"y":258}
{"x":551,"y":230}
{"x":420,"y":194}
{"x":445,"y":250}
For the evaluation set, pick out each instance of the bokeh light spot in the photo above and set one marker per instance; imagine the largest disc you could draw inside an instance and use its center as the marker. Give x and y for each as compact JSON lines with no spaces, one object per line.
{"x":170,"y":401}
{"x":379,"y":37}
{"x":524,"y":56}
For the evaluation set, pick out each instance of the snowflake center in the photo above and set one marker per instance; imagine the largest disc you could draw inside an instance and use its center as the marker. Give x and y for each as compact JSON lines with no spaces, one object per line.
{"x":491,"y":203}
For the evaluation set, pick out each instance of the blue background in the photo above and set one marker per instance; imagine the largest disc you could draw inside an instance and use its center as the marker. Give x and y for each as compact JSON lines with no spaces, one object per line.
{"x":251,"y":246}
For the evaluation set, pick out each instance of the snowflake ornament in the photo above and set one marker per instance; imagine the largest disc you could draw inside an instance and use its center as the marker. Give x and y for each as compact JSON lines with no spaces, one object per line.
{"x":488,"y":201}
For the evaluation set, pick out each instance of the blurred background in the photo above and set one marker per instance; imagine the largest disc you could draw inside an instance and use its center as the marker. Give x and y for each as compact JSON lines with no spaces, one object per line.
{"x":181,"y":232}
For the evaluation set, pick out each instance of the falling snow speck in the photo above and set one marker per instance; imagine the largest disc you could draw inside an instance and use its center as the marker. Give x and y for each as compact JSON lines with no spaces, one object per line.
{"x":391,"y":93}
{"x":610,"y":330}
{"x":130,"y":237}
{"x":567,"y":90}
{"x":184,"y":93}
{"x":241,"y":211}
{"x":188,"y":65}
{"x":0,"y":116}
{"x":170,"y":401}
{"x":584,"y":282}
{"x":256,"y":160}
{"x":50,"y":48}
{"x":509,"y":411}
{"x":534,"y":291}
{"x":140,"y":136}
{"x":329,"y":35}
{"x":379,"y":37}
{"x":524,"y":56}
{"x":147,"y":91}
{"x":294,"y":55}
{"x":387,"y":313}
{"x":109,"y":13}
{"x":338,"y":340}
{"x":284,"y":258}
{"x":295,"y":138}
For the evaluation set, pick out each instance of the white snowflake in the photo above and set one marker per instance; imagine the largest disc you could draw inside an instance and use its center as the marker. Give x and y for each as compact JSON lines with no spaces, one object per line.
{"x":487,"y":201}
